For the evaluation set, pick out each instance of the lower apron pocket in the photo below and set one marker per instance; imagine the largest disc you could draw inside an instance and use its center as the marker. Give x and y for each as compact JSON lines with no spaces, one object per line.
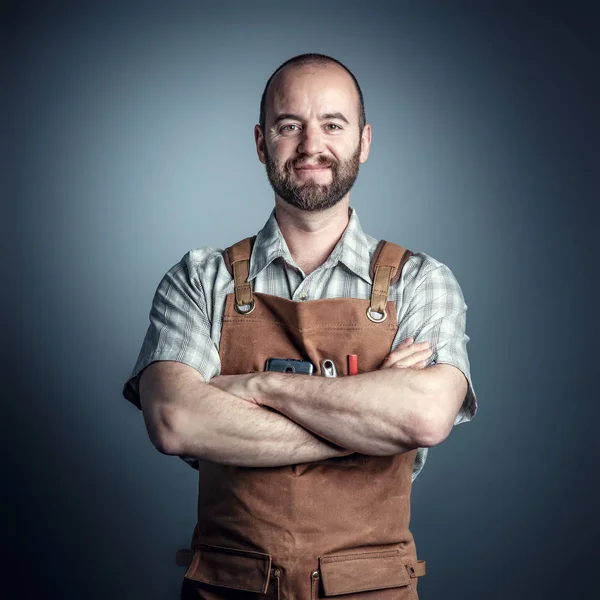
{"x":365,"y":574}
{"x":218,"y":572}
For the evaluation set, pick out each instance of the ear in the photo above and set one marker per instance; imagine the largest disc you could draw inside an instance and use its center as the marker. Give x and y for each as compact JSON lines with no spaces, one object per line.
{"x":259,"y":140}
{"x":365,"y":140}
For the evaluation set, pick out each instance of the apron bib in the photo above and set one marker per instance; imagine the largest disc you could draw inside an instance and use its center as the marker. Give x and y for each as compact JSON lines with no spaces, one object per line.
{"x":338,"y":526}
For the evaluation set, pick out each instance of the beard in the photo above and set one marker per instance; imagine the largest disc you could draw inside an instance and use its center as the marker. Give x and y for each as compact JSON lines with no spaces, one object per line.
{"x":312,"y":196}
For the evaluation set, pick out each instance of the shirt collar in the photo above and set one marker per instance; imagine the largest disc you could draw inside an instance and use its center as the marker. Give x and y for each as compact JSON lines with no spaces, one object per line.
{"x":352,"y":250}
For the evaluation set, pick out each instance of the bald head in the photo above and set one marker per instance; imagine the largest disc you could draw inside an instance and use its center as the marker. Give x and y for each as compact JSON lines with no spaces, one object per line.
{"x":305,"y":65}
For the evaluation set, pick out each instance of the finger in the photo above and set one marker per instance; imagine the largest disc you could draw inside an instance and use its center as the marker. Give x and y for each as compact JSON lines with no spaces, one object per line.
{"x":409,"y":348}
{"x":406,"y":353}
{"x":420,"y":365}
{"x":404,"y":344}
{"x":401,"y":346}
{"x":423,"y":344}
{"x":404,"y":349}
{"x":410,"y":360}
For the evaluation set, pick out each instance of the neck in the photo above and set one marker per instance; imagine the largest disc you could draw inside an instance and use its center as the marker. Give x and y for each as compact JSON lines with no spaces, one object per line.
{"x":311,"y":236}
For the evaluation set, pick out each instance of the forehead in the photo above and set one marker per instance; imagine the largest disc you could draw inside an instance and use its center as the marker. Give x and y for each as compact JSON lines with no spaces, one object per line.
{"x":310,"y":90}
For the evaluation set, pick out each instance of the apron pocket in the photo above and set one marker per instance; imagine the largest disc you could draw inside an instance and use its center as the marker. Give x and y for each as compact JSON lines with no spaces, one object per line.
{"x":363,"y":571}
{"x":230,"y":568}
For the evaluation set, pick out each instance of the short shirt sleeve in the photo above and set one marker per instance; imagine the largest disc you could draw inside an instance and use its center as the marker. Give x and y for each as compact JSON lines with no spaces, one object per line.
{"x":179,"y":327}
{"x":434,"y":310}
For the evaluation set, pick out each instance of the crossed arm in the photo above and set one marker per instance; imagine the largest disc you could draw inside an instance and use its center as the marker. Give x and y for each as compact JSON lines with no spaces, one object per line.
{"x":397,"y":408}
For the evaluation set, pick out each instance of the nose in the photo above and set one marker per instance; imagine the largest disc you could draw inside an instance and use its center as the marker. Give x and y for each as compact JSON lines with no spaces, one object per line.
{"x":311,"y":140}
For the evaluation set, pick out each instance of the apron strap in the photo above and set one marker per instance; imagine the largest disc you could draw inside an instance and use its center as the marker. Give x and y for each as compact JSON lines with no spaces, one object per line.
{"x":386,"y":268}
{"x":237,"y":261}
{"x":417,"y":569}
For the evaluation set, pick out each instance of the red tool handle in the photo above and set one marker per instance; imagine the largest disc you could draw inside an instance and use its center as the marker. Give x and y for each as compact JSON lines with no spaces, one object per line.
{"x":352,"y":364}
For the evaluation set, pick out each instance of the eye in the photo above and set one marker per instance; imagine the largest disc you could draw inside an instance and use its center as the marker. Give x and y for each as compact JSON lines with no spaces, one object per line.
{"x":286,"y":127}
{"x":335,"y":126}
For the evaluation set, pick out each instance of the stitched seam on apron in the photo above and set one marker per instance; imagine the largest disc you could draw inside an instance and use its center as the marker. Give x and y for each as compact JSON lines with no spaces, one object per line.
{"x":334,"y":327}
{"x":366,"y":589}
{"x":359,"y":556}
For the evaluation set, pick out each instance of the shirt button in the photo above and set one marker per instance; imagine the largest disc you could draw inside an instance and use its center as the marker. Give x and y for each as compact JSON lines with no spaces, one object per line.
{"x":315,"y":574}
{"x":303,"y":296}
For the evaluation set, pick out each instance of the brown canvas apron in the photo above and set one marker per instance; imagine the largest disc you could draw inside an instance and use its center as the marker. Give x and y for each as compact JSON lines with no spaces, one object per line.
{"x":333,"y":527}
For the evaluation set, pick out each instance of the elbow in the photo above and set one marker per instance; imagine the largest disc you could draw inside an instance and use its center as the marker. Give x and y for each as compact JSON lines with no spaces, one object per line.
{"x":432,"y":427}
{"x":430,"y":434}
{"x":442,"y":395}
{"x":433,"y":421}
{"x":167,"y":444}
{"x":164,"y":389}
{"x":164,"y":431}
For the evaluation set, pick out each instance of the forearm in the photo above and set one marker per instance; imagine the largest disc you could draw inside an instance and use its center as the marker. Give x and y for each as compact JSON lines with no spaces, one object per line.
{"x":219,"y":427}
{"x":379,"y":413}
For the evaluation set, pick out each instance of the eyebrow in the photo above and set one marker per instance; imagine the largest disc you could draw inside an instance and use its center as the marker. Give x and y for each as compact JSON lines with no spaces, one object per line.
{"x":324,"y":117}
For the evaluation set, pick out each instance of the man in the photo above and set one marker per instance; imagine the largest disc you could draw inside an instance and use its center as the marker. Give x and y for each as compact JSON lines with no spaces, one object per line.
{"x":305,"y":480}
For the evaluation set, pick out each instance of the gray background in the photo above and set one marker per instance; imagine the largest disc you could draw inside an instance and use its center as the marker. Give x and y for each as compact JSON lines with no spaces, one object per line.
{"x":127,"y":140}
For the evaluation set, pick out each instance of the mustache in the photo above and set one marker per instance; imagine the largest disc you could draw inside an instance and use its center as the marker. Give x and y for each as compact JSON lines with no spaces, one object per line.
{"x":322,"y":161}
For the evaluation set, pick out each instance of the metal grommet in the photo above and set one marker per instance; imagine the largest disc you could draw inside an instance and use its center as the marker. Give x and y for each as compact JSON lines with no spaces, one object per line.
{"x":315,"y":575}
{"x":245,"y":312}
{"x":374,"y":319}
{"x":276,"y":573}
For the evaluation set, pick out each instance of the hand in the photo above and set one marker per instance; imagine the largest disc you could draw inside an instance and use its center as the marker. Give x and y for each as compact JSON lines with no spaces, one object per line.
{"x":408,"y":355}
{"x":243,"y":386}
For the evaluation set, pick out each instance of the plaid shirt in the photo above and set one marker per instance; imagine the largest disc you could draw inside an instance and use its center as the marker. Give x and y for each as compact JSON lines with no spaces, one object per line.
{"x":187,"y":310}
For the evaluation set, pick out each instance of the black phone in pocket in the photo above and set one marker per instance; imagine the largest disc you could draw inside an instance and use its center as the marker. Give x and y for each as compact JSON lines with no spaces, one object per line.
{"x":290,"y":365}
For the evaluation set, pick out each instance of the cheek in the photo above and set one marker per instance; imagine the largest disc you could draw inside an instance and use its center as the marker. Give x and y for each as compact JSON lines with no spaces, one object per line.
{"x":284,"y":148}
{"x":280,"y":153}
{"x":343,"y":149}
